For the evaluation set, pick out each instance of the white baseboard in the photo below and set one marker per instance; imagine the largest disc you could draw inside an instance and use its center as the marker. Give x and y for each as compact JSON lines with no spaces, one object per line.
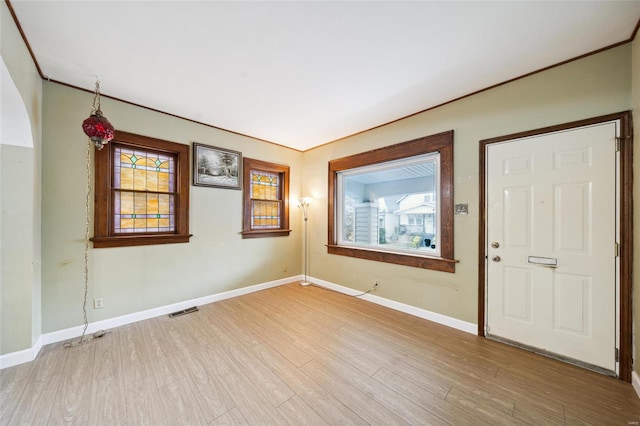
{"x":635,"y":381}
{"x":20,"y":357}
{"x":27,"y":355}
{"x":408,"y":309}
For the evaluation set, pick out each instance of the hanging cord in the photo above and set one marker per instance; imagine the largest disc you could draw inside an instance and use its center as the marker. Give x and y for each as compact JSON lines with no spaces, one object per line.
{"x":96,"y":98}
{"x":364,"y":292}
{"x":87,"y":207}
{"x":345,"y":294}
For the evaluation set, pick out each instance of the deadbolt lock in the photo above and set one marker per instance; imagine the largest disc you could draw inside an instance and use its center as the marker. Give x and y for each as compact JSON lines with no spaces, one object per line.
{"x":495,"y":244}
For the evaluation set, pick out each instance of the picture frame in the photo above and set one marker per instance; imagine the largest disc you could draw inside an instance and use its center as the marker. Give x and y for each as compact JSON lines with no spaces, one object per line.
{"x":216,"y":167}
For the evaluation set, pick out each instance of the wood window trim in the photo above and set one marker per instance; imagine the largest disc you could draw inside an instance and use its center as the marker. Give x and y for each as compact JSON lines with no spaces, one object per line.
{"x":249,"y":164}
{"x":442,"y":143}
{"x":104,"y":235}
{"x":626,"y":228}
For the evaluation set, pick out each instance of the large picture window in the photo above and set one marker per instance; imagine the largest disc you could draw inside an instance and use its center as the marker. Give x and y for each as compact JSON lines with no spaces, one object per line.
{"x":391,"y":206}
{"x":395,"y":204}
{"x":142,"y":192}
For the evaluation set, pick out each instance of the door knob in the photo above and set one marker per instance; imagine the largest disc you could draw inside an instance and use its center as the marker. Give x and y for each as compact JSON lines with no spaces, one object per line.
{"x":496,"y":258}
{"x":495,"y":244}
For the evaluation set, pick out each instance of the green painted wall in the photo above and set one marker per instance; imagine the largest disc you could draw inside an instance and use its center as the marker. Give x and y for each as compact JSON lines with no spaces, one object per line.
{"x":20,"y":204}
{"x":593,"y":86}
{"x":133,"y":279}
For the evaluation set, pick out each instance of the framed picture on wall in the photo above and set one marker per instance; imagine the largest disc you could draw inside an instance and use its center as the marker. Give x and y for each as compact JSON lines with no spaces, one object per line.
{"x":216,"y":167}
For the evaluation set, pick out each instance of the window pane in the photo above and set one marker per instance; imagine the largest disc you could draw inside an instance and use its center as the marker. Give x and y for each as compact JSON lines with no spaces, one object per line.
{"x":265,"y":202}
{"x":264,"y":185}
{"x":391,"y":206}
{"x":265,"y":214}
{"x":152,"y":176}
{"x":143,"y":212}
{"x":143,"y":171}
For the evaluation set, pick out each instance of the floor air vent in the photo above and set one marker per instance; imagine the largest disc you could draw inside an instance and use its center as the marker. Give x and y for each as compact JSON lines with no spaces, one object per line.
{"x":183,"y":312}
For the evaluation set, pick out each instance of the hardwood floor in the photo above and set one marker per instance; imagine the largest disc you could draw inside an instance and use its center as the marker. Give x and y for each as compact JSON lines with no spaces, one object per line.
{"x":304,"y":356}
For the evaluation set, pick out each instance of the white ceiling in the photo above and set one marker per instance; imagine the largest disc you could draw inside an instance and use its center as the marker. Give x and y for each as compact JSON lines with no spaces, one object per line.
{"x":303,"y":73}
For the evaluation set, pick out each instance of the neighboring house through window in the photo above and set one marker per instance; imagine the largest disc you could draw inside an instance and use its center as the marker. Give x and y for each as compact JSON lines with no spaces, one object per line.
{"x":141,"y":192}
{"x":266,"y":199}
{"x":395,"y":204}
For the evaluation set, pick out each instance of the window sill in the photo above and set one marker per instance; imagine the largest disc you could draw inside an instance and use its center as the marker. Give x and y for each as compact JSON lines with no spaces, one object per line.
{"x":139,"y":240}
{"x":433,"y":263}
{"x":266,"y":233}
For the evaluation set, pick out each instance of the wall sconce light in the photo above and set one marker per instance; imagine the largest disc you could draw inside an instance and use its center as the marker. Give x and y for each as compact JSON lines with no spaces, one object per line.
{"x":303,"y":204}
{"x":97,"y":127}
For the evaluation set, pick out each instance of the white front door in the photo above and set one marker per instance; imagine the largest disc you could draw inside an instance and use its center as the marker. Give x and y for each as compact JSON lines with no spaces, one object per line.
{"x":551,"y":243}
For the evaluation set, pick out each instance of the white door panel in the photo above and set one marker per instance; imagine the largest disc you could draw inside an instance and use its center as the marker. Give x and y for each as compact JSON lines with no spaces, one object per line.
{"x":517,"y":298}
{"x":554,"y":197}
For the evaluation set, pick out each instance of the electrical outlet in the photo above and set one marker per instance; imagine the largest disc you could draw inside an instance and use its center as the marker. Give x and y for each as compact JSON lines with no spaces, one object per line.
{"x":284,"y":268}
{"x":376,"y":285}
{"x":98,"y":303}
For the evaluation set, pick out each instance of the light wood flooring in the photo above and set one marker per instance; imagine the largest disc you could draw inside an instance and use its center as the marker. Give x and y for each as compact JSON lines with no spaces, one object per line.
{"x":303,"y":356}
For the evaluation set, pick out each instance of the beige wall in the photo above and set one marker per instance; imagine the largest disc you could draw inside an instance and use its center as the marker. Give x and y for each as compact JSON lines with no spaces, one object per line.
{"x":596,"y":85}
{"x":20,"y":284}
{"x":635,"y":83}
{"x":133,"y":279}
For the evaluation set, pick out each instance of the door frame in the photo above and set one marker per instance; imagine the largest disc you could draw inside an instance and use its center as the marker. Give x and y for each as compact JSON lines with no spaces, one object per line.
{"x":625,"y":219}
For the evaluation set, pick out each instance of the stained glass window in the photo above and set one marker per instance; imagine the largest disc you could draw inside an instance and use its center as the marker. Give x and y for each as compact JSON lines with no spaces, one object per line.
{"x":143,"y":191}
{"x":265,"y":199}
{"x":266,"y":192}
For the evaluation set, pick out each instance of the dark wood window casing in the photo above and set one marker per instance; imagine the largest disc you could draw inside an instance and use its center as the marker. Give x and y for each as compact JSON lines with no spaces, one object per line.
{"x":441,"y":143}
{"x":104,"y":234}
{"x":249,"y":165}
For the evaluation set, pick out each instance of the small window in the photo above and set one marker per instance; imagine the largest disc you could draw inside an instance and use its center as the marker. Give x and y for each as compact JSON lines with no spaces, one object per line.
{"x":142,"y":192}
{"x":266,"y":199}
{"x":395,"y":204}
